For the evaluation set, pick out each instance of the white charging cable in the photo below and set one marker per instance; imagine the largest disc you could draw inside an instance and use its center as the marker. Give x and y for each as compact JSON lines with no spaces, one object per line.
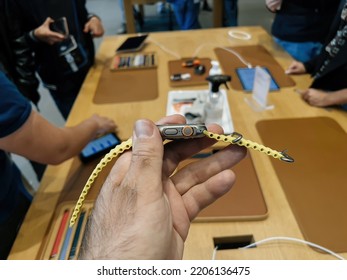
{"x":241,"y":35}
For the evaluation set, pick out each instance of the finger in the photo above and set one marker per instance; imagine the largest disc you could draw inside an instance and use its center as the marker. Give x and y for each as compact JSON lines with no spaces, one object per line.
{"x":202,"y":195}
{"x":86,"y":28}
{"x":176,"y":151}
{"x":122,"y":164}
{"x":289,"y":70}
{"x":201,"y":170}
{"x":305,"y":95}
{"x":48,"y":21}
{"x":172,"y":119}
{"x":145,"y":170}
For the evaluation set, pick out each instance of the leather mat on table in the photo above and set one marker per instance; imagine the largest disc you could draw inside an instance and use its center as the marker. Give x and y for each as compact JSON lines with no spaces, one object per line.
{"x":245,"y":201}
{"x":256,"y":55}
{"x":126,"y":86}
{"x":315,"y":184}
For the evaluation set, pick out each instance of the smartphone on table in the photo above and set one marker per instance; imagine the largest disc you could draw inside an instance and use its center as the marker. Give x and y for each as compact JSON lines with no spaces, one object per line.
{"x":246,"y":77}
{"x":99,"y":147}
{"x":132,"y":44}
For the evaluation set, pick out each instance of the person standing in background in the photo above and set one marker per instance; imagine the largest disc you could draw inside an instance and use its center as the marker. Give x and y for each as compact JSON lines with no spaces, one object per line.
{"x":16,"y":58}
{"x":230,"y":13}
{"x":62,"y":60}
{"x":186,"y":13}
{"x":25,"y":132}
{"x":301,"y":27}
{"x":329,"y":68}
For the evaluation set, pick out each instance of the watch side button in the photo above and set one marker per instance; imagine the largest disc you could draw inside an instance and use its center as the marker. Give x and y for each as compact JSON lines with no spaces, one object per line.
{"x":170,"y":131}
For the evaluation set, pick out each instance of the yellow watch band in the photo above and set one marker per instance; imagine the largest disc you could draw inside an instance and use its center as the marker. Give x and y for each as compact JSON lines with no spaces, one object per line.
{"x":234,"y":138}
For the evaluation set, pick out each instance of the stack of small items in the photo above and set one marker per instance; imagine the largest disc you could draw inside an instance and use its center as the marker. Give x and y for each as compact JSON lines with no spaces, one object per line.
{"x":133,"y":61}
{"x":199,"y":69}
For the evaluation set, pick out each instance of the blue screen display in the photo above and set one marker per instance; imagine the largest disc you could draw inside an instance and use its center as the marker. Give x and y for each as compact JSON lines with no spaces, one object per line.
{"x":103,"y":143}
{"x":246,"y":76}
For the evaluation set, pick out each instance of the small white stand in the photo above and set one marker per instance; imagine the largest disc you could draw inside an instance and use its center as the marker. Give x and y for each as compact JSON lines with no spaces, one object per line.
{"x":261,"y":87}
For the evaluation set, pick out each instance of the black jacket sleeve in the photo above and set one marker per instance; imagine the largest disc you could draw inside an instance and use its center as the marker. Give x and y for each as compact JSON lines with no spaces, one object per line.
{"x":24,"y":74}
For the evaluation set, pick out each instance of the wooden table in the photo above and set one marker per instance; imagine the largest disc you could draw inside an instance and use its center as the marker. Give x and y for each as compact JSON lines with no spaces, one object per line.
{"x":129,"y":15}
{"x":199,"y":245}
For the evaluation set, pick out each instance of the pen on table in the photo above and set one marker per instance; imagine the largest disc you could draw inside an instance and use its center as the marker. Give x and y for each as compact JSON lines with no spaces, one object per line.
{"x":59,"y":236}
{"x":76,"y":237}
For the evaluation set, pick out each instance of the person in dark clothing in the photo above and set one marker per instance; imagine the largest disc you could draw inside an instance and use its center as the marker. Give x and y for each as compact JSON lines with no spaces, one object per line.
{"x":17,"y":61}
{"x":231,"y":12}
{"x":16,"y":58}
{"x":329,"y":69}
{"x":301,"y":27}
{"x":61,"y":62}
{"x":186,"y":13}
{"x":25,"y":132}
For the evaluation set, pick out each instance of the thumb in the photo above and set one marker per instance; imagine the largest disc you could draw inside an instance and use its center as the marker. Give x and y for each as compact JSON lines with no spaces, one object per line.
{"x":291,"y":69}
{"x":86,"y":28}
{"x":48,"y":21}
{"x":147,"y":157}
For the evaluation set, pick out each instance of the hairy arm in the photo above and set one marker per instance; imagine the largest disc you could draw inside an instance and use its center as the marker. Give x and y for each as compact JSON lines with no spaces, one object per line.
{"x":39,"y":140}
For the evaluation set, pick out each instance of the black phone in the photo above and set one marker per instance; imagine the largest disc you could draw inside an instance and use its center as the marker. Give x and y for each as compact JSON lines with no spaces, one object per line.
{"x":67,"y":46}
{"x":132,"y":44}
{"x":99,"y":147}
{"x":246,"y":76}
{"x":60,"y":25}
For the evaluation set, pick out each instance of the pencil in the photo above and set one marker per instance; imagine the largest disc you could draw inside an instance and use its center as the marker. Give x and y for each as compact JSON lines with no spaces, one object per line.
{"x":59,"y":236}
{"x":66,"y":242}
{"x":76,"y":237}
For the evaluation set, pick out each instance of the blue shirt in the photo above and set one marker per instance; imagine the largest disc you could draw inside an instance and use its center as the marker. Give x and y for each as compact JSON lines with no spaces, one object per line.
{"x":15,"y":109}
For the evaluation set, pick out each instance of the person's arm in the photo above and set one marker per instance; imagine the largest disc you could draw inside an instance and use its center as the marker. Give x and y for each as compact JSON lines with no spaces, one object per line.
{"x":296,"y":67}
{"x":145,"y":207}
{"x":320,"y":98}
{"x":94,"y":26}
{"x":39,"y":140}
{"x":43,"y":33}
{"x":93,"y":23}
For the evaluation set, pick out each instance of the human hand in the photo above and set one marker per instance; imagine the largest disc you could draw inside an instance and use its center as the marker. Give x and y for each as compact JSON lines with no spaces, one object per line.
{"x":44,"y":34}
{"x":103,"y":124}
{"x":296,"y":67}
{"x":145,"y":208}
{"x":94,"y":26}
{"x":273,"y":5}
{"x":315,"y":97}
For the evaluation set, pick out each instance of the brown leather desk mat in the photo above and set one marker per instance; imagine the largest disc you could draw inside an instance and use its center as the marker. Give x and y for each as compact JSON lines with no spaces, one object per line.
{"x":256,"y":55}
{"x":126,"y":86}
{"x":245,"y":201}
{"x":315,"y":184}
{"x":175,"y":67}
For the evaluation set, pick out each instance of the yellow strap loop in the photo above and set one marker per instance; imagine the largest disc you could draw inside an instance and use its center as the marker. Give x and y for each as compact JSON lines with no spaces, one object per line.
{"x":234,"y":138}
{"x":118,"y":150}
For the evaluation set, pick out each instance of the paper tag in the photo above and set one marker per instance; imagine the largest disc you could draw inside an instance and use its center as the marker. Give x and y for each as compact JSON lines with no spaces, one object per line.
{"x":261,"y":86}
